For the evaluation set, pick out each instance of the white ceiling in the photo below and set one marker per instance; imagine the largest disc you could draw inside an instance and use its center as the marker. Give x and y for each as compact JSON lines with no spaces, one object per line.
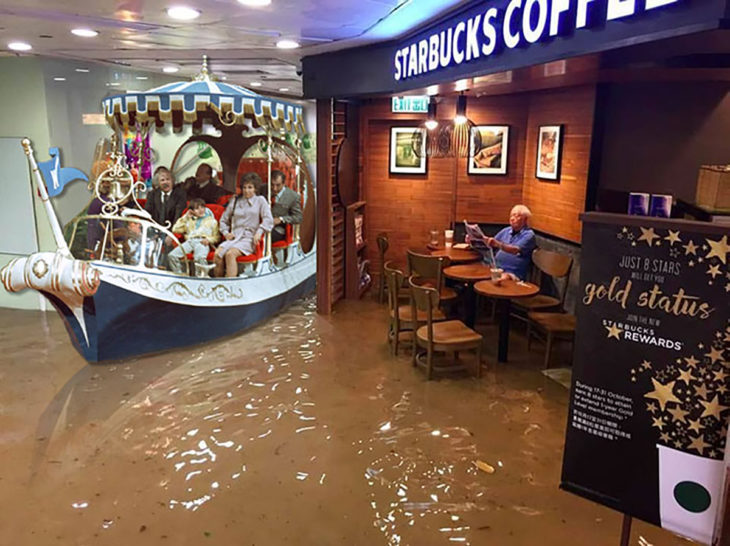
{"x":239,"y":40}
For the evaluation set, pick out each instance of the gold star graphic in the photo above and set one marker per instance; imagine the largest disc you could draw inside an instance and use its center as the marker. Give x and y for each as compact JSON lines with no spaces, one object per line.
{"x":613,"y":331}
{"x":718,"y":248}
{"x":685,"y":375}
{"x":679,"y":414}
{"x":657,"y":422}
{"x":691,"y":263}
{"x":648,"y":235}
{"x":727,"y":287}
{"x":720,"y":375}
{"x":624,"y":229}
{"x":662,"y":393}
{"x":664,"y":437}
{"x":673,"y":237}
{"x":652,"y":407}
{"x":714,"y":270}
{"x":694,"y":425}
{"x":677,"y":443}
{"x":722,"y":389}
{"x":698,"y":444}
{"x":646,"y":365}
{"x":690,"y":248}
{"x":692,"y":361}
{"x":714,"y":354}
{"x":712,"y":408}
{"x":701,"y":390}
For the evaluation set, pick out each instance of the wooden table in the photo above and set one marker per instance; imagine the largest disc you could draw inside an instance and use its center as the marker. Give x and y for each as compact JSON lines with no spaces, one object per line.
{"x":503,"y":293}
{"x":469,"y":274}
{"x":457,"y":255}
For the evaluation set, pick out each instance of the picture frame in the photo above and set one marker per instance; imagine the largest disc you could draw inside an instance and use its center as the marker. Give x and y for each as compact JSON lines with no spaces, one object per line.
{"x":549,"y":152}
{"x":404,"y":159}
{"x":488,"y":150}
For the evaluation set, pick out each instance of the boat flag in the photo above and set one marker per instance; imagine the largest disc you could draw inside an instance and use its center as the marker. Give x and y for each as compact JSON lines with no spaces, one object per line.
{"x":55,"y":176}
{"x":690,"y":493}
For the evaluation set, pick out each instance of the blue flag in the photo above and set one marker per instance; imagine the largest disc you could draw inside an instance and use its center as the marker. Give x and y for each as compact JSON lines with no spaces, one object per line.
{"x":55,"y":176}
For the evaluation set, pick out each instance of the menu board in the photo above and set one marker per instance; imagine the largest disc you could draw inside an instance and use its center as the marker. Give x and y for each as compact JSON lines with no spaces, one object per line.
{"x":649,"y":401}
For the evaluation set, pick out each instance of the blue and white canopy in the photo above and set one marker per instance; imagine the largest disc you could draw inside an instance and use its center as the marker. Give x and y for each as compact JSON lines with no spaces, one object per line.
{"x":190,"y":102}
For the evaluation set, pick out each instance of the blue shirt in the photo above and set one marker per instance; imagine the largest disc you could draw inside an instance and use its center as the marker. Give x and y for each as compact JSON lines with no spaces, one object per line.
{"x":517,"y":264}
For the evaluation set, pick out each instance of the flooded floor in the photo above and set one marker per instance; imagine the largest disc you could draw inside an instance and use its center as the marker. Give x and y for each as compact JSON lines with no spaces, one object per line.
{"x":302,"y":431}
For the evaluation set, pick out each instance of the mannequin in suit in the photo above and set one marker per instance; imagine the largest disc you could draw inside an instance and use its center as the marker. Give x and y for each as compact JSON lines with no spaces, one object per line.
{"x":166,"y":203}
{"x":285,"y":206}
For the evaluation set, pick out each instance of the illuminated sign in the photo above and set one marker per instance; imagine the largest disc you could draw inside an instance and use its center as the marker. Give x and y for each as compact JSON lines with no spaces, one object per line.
{"x":520,"y":23}
{"x":416,"y":103}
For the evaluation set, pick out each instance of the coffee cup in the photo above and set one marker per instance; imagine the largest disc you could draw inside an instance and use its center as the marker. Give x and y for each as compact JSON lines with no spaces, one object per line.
{"x":496,"y":273}
{"x":434,"y":238}
{"x":448,"y":238}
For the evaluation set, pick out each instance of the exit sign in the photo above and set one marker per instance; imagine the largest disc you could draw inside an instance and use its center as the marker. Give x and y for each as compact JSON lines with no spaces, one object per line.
{"x":418,"y":104}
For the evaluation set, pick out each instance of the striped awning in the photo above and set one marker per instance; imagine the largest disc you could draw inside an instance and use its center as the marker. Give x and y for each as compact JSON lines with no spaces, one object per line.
{"x":190,"y":102}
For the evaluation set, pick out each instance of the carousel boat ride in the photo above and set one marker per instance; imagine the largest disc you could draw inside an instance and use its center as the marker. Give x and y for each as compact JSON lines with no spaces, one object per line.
{"x":110,"y":281}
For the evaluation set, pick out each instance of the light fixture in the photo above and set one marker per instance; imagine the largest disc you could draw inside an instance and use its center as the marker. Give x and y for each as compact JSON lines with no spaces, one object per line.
{"x":432,"y":90}
{"x":113,"y":84}
{"x":431,"y":122}
{"x":460,"y":117}
{"x":287,"y":44}
{"x":84,"y":32}
{"x":256,"y":84}
{"x":170,"y":69}
{"x":461,"y":85}
{"x":182,"y":13}
{"x":19,"y":46}
{"x":255,"y":3}
{"x":142,"y":78}
{"x":59,"y":79}
{"x":82,"y":70}
{"x":283,"y":89}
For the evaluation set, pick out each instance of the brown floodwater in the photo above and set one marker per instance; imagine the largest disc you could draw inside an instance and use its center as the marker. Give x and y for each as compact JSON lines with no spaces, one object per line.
{"x":302,"y":431}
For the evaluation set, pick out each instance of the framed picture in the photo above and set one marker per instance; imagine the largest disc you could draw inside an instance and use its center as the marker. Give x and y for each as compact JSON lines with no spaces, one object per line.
{"x":488,"y":148}
{"x":407,"y":150}
{"x":549,"y":144}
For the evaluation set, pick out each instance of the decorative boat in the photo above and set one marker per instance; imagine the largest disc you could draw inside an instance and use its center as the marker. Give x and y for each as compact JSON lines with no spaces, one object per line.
{"x":116,"y":297}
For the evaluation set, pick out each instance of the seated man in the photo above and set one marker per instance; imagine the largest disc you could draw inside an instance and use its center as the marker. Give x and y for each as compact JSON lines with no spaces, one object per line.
{"x":165,"y":203}
{"x":200,"y":228}
{"x":515,"y":243}
{"x":204,"y":186}
{"x":285,"y":206}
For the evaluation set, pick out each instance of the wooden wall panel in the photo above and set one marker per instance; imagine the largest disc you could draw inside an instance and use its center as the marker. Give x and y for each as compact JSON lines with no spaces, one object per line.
{"x":556,"y":205}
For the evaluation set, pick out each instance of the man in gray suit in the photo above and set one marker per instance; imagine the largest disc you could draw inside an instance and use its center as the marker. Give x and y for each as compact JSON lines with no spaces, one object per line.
{"x":285,"y":206}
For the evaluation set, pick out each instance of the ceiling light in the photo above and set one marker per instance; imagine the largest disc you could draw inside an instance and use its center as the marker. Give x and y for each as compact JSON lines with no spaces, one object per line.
{"x":287,"y":44}
{"x":431,"y":122}
{"x":460,"y":116}
{"x":84,"y":32}
{"x":84,"y":70}
{"x":283,"y":89}
{"x":170,"y":69}
{"x":142,"y":78}
{"x":59,"y":79}
{"x":432,"y":90}
{"x":183,"y":13}
{"x":113,"y":84}
{"x":20,"y":46}
{"x":462,"y":85}
{"x":255,"y":3}
{"x":256,"y":84}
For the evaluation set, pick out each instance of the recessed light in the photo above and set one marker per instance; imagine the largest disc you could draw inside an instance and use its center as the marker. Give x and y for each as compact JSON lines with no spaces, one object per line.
{"x":283,"y":89}
{"x":84,"y":32}
{"x":59,"y":79}
{"x":255,"y":3}
{"x":287,"y":44}
{"x":170,"y":69}
{"x":113,"y":84}
{"x":20,"y":46}
{"x":142,"y":78}
{"x":182,"y":13}
{"x":84,"y":70}
{"x":256,"y":84}
{"x":224,"y":78}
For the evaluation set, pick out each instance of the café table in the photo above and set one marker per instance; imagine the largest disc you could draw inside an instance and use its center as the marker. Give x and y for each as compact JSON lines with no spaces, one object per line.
{"x":503,"y":292}
{"x":456,"y":255}
{"x":468,"y":274}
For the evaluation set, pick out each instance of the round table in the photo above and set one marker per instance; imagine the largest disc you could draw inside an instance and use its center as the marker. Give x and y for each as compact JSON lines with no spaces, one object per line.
{"x":457,"y":255}
{"x":469,"y":274}
{"x":503,"y":293}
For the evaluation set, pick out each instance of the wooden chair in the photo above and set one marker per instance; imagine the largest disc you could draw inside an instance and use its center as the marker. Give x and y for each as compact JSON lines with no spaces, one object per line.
{"x":401,"y":315}
{"x":430,"y":268}
{"x":547,"y":264}
{"x":383,"y":245}
{"x":449,"y":336}
{"x":553,"y":326}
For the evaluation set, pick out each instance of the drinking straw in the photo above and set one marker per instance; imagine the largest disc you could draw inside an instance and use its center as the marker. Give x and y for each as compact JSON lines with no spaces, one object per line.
{"x":491,"y":251}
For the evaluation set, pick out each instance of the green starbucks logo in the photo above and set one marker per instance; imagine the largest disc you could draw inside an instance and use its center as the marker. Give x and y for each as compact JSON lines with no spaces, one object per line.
{"x":692,"y":496}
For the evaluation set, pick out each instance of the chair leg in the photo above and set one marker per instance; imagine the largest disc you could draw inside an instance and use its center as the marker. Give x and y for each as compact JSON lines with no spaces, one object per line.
{"x":396,"y":336}
{"x":429,"y":364}
{"x":479,"y":360}
{"x":548,"y":348}
{"x":414,"y":352}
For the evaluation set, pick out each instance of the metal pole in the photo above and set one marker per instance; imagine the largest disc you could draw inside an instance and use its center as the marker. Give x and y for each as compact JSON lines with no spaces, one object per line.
{"x":52,"y":218}
{"x":626,"y":531}
{"x":270,"y":159}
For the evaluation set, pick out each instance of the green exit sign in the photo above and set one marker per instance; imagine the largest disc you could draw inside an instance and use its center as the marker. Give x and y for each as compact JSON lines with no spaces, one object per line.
{"x":415,"y":103}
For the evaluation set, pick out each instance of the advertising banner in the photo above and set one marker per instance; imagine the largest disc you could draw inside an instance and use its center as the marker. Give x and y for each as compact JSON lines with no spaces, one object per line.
{"x":649,"y":403}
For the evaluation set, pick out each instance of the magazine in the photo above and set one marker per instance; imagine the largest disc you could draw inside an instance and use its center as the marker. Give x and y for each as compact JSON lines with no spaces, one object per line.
{"x":475,"y":233}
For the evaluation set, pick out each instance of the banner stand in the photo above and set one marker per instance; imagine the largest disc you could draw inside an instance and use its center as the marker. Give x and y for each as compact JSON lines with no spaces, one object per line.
{"x":626,"y":530}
